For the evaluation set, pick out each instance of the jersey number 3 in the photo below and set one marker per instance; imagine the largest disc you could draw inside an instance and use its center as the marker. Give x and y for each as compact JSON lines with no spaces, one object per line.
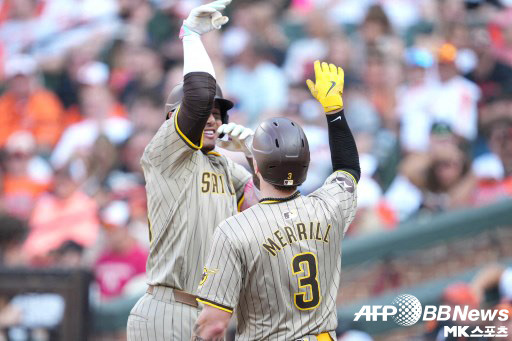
{"x":306,"y":264}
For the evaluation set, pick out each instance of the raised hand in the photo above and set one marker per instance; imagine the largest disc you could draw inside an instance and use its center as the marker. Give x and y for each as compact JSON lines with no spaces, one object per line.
{"x":240,"y":138}
{"x":328,"y":89}
{"x":205,"y":18}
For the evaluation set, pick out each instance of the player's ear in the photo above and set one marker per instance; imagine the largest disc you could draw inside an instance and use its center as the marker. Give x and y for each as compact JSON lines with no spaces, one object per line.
{"x":255,"y":166}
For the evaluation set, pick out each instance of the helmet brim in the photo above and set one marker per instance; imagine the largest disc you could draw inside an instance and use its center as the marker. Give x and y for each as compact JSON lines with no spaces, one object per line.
{"x":224,"y":104}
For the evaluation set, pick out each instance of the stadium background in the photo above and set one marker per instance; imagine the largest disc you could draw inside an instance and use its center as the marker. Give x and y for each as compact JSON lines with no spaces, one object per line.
{"x":428,"y":96}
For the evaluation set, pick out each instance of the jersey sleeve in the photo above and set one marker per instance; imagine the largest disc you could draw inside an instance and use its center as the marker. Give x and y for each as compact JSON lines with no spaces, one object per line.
{"x":240,"y":177}
{"x":339,"y":194}
{"x":222,"y":274}
{"x":170,"y":150}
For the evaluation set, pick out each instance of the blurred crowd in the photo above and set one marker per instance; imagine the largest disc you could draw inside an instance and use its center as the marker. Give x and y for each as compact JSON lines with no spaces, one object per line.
{"x":428,"y":95}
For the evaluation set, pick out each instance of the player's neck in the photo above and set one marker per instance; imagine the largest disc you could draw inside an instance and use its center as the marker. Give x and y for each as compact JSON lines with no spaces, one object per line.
{"x":269,"y":191}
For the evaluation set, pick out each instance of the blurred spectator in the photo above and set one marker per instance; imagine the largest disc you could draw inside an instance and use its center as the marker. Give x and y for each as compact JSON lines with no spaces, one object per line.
{"x":379,"y":86}
{"x":435,"y":181}
{"x":69,"y":256}
{"x":253,"y":19}
{"x":413,"y":101}
{"x":49,"y":28}
{"x":457,"y":294}
{"x":26,"y":175}
{"x":493,"y":276}
{"x":453,"y":100}
{"x":375,"y":38}
{"x":12,"y":235}
{"x":61,"y":215}
{"x":501,"y":34}
{"x":303,"y":52}
{"x":447,"y":172}
{"x":490,"y":74}
{"x":507,"y":323}
{"x":123,"y":260}
{"x":146,"y":112}
{"x":147,"y":75}
{"x":494,"y":169}
{"x":258,"y":86}
{"x":101,"y":161}
{"x":102,"y":115}
{"x":127,"y":183}
{"x":373,"y":211}
{"x":27,"y":106}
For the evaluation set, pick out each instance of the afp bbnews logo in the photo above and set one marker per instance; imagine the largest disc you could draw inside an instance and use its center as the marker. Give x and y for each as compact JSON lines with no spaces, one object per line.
{"x":406,"y":310}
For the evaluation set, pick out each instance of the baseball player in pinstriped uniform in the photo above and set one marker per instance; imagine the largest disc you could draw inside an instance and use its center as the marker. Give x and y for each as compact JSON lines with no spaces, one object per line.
{"x":190,"y":188}
{"x":277,"y":264}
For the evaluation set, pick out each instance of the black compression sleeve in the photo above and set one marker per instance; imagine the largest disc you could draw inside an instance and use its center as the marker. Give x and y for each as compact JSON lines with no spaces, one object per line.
{"x":344,"y":153}
{"x":198,"y":96}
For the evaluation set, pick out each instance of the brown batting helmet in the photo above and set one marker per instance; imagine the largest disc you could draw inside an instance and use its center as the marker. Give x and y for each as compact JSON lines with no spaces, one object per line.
{"x":176,"y":96}
{"x":281,"y":151}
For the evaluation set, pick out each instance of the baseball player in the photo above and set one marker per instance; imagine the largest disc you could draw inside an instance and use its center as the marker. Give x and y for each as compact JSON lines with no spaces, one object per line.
{"x":277,"y":264}
{"x":190,"y":188}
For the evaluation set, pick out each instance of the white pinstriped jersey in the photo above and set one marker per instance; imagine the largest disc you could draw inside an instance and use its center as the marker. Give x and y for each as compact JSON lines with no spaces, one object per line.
{"x":277,"y":264}
{"x":189,"y":194}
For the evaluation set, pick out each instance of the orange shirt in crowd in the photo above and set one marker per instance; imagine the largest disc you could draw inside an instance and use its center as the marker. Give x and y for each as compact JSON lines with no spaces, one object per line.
{"x":73,"y":114}
{"x":41,"y":114}
{"x":489,"y":191}
{"x":20,"y":193}
{"x":55,"y":220}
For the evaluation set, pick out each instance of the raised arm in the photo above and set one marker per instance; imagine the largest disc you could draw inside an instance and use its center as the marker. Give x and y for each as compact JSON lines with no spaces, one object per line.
{"x":328,"y":90}
{"x":199,"y":84}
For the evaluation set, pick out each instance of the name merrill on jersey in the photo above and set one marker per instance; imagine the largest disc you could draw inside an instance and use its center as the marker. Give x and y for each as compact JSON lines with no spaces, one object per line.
{"x":288,"y":235}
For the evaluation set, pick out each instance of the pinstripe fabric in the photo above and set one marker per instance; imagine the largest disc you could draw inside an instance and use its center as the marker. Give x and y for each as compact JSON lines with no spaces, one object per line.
{"x":188,"y":194}
{"x":259,"y":282}
{"x":158,"y":317}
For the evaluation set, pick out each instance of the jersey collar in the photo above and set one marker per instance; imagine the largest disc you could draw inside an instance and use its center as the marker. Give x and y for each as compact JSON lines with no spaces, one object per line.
{"x":213,"y":152}
{"x":279,"y":200}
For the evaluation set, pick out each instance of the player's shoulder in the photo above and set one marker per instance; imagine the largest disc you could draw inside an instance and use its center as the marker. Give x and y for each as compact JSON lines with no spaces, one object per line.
{"x":217,"y":154}
{"x":342,"y":179}
{"x":156,"y":140}
{"x":239,"y":222}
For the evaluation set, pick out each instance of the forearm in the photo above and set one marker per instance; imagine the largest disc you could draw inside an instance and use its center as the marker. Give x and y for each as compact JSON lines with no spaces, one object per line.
{"x":344,"y":155}
{"x":196,"y":58}
{"x":210,"y":326}
{"x":199,"y":88}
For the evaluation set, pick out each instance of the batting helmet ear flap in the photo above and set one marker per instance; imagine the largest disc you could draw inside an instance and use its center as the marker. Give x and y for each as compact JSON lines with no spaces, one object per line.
{"x":173,"y":100}
{"x":224,"y":104}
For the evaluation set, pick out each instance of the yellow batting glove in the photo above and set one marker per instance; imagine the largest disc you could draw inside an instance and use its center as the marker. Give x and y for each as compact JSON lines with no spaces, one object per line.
{"x":328,"y":89}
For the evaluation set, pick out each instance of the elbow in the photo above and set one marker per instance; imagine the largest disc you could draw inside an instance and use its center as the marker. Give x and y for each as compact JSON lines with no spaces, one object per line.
{"x":205,"y":97}
{"x":199,"y":90}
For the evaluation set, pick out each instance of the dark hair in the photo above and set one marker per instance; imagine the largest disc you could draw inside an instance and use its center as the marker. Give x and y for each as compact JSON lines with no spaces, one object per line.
{"x":12,"y":231}
{"x":377,"y":14}
{"x":154,"y":98}
{"x":432,"y":182}
{"x":284,"y":188}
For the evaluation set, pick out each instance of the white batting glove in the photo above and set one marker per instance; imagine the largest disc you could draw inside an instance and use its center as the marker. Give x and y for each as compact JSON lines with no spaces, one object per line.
{"x":205,"y":18}
{"x":239,"y":138}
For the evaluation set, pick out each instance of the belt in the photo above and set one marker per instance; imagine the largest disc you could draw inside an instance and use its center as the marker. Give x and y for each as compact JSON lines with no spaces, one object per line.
{"x":179,"y":296}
